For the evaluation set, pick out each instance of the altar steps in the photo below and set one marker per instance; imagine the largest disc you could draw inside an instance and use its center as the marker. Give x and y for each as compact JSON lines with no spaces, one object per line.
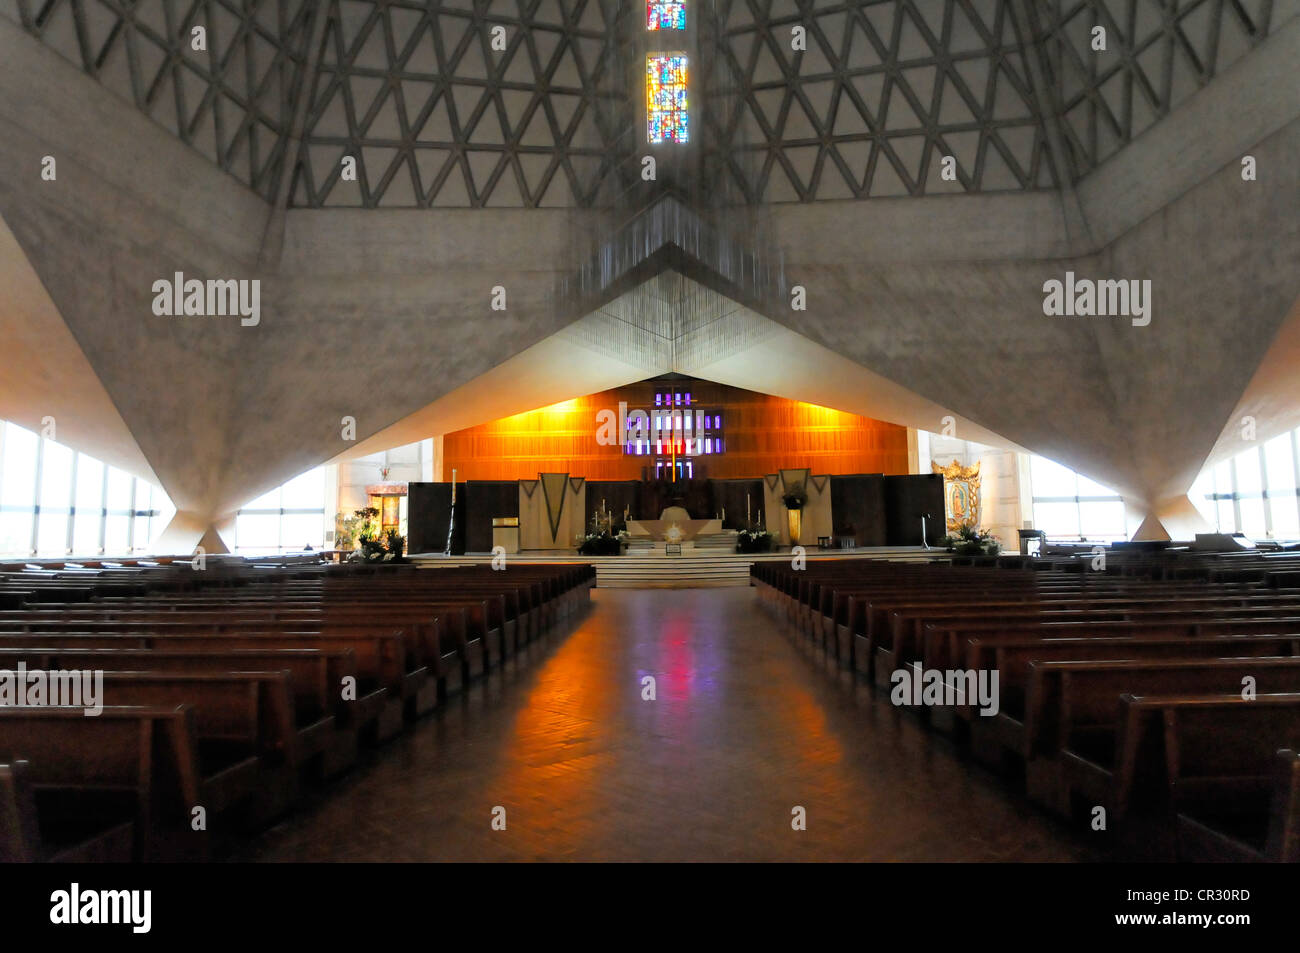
{"x":724,"y":542}
{"x":707,"y":569}
{"x":694,"y":571}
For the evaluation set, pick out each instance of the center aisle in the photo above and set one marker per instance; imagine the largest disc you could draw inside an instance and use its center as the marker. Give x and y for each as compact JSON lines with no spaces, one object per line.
{"x":743,"y":729}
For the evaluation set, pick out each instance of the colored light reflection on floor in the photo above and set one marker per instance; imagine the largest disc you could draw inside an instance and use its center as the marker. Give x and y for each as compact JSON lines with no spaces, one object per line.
{"x":587,"y":770}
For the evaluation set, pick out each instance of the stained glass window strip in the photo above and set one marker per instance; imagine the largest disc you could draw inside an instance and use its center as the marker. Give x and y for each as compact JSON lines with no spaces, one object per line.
{"x":665,"y":15}
{"x":689,"y":432}
{"x":666,"y":106}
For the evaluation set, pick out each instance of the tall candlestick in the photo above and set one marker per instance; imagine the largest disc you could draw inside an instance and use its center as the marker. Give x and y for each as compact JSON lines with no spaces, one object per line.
{"x":451,"y":518}
{"x":746,"y":509}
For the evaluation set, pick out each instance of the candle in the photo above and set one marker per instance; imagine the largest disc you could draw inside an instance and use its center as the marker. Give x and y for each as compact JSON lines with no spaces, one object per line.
{"x":746,"y":507}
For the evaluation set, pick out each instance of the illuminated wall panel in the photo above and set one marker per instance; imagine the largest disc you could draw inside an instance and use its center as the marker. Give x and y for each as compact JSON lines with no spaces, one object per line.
{"x":763,"y":435}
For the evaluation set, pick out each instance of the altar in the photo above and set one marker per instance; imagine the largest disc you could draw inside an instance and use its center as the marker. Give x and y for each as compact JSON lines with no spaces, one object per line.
{"x":556,"y":511}
{"x":658,"y":530}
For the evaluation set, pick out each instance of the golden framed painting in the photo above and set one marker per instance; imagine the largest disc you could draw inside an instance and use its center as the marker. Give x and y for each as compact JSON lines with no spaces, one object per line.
{"x":961,"y":494}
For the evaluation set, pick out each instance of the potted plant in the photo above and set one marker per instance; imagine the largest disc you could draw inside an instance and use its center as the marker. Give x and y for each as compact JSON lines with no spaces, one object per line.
{"x":794,"y":500}
{"x":348,"y":530}
{"x":371,"y":546}
{"x":972,"y":542}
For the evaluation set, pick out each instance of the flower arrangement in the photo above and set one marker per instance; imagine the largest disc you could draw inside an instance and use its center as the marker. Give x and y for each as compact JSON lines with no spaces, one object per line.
{"x":602,"y":543}
{"x":385,"y":549}
{"x":972,"y":542}
{"x":360,"y":532}
{"x":795,"y":497}
{"x":754,"y":541}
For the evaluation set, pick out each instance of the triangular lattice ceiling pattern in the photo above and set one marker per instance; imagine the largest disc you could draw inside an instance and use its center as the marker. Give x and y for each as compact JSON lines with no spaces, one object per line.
{"x":1158,"y":52}
{"x":881,"y":92}
{"x":233,"y":102}
{"x":436,"y":118}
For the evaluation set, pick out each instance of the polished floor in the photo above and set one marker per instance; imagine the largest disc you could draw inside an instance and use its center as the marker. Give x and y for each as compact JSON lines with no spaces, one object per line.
{"x":745,"y":727}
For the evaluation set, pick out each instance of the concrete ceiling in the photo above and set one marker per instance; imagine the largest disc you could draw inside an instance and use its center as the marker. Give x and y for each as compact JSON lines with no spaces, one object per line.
{"x":918,"y":307}
{"x":43,"y":358}
{"x":670,"y":324}
{"x":437,"y":117}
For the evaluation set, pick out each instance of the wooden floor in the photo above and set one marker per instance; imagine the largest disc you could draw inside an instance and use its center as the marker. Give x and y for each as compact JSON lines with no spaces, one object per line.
{"x":745,"y":727}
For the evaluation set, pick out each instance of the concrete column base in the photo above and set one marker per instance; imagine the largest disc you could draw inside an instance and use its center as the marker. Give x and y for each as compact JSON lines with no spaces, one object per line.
{"x":188,"y":531}
{"x":1172,"y":518}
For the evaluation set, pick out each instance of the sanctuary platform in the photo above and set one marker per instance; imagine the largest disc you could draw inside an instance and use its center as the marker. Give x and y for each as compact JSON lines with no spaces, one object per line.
{"x":693,"y":569}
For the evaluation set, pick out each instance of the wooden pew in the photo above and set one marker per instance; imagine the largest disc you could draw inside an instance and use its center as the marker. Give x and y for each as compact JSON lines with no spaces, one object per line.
{"x":96,"y":839}
{"x":1121,"y":661}
{"x":244,"y":734}
{"x":257,"y":654}
{"x":1073,"y":705}
{"x":323,"y":744}
{"x":1070,"y":701}
{"x":383,"y":666}
{"x":1179,"y":749}
{"x":1015,"y":660}
{"x":134,"y":764}
{"x":1246,"y":832}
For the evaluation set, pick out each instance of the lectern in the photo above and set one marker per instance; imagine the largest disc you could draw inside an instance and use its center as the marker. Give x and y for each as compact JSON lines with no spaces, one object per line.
{"x":1035,"y":538}
{"x":505,"y":533}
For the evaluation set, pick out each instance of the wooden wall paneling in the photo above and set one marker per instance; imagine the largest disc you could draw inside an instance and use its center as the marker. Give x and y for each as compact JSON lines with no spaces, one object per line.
{"x":485,"y":500}
{"x":906,"y":498}
{"x":858,"y":500}
{"x":761,"y":434}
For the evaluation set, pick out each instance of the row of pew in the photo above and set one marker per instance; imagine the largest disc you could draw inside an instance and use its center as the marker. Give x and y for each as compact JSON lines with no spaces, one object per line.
{"x":1158,"y":710}
{"x":229,"y":689}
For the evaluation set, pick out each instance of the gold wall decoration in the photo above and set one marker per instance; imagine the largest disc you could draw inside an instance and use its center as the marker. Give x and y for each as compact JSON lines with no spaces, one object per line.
{"x":961,"y":494}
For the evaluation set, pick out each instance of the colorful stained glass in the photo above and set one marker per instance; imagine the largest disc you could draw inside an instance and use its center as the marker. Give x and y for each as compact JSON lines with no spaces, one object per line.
{"x":665,"y":15}
{"x":667,"y":116}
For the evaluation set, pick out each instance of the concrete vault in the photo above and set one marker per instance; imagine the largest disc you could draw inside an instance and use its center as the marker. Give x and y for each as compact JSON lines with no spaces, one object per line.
{"x":919,"y":303}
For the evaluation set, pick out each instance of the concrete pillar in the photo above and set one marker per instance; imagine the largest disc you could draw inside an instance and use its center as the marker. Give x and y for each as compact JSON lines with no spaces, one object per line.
{"x":437,"y":460}
{"x":426,"y":458}
{"x":1175,"y":517}
{"x":189,"y":530}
